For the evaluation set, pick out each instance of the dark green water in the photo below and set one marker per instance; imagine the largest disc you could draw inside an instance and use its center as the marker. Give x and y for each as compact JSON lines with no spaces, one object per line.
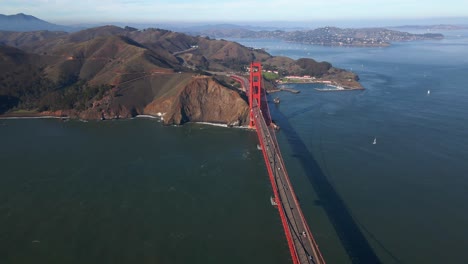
{"x":133,"y":191}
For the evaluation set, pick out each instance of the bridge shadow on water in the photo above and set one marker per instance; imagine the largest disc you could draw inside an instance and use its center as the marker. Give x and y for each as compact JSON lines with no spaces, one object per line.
{"x":347,"y":228}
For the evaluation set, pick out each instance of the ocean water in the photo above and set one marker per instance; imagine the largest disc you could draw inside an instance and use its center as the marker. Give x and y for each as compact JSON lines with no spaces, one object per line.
{"x":134,"y":191}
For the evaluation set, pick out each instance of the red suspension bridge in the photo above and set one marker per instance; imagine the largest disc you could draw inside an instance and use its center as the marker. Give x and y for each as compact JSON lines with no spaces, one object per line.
{"x":301,"y":243}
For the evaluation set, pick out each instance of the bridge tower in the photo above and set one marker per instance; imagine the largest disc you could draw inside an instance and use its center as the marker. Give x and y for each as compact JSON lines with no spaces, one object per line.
{"x":255,"y":89}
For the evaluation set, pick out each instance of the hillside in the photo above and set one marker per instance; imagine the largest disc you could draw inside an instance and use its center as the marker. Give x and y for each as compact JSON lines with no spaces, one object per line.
{"x":113,"y":72}
{"x":21,"y":78}
{"x":24,"y":39}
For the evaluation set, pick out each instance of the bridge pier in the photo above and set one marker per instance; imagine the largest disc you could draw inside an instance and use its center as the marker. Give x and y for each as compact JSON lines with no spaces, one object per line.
{"x":255,"y":83}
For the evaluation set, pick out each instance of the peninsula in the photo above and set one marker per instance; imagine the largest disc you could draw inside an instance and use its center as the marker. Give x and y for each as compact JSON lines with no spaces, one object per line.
{"x":112,"y":72}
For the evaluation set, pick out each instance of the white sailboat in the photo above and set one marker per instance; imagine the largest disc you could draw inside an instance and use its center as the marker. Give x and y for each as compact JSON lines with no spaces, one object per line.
{"x":428,"y":92}
{"x":375,"y":141}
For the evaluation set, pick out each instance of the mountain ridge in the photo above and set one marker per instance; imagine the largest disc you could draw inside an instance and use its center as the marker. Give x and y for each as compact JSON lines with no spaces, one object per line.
{"x":23,"y":22}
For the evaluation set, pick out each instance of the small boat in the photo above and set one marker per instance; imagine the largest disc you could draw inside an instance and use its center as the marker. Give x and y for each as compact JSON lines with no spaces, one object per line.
{"x":259,"y":147}
{"x":276,"y":100}
{"x":272,"y":201}
{"x":275,"y":126}
{"x":428,"y":92}
{"x":375,"y":141}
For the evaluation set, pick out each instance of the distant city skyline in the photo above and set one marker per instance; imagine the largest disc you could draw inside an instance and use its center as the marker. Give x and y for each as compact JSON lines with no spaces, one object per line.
{"x":204,"y":11}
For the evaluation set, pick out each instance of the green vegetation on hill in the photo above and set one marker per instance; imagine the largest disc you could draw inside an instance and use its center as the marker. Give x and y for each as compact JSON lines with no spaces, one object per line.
{"x":24,"y":85}
{"x":40,"y":93}
{"x":305,"y":66}
{"x":313,"y":68}
{"x":79,"y":96}
{"x":270,"y":76}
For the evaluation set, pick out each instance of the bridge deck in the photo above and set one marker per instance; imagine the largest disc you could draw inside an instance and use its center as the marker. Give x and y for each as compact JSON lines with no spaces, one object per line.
{"x":297,"y":231}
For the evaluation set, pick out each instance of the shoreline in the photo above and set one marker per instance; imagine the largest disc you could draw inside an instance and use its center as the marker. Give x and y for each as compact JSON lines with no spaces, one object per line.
{"x":219,"y":125}
{"x":294,"y":91}
{"x":33,"y":117}
{"x":336,"y":88}
{"x":151,"y":117}
{"x":147,"y":116}
{"x":326,"y":82}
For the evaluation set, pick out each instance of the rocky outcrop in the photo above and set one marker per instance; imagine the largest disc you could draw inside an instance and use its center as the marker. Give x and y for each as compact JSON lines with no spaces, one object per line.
{"x":203,"y":99}
{"x":112,"y":112}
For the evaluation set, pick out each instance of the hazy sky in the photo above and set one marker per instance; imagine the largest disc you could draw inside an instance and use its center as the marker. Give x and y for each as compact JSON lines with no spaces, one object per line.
{"x":76,"y":11}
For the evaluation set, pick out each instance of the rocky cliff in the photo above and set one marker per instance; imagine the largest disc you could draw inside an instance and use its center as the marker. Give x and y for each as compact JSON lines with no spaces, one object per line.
{"x":203,"y":99}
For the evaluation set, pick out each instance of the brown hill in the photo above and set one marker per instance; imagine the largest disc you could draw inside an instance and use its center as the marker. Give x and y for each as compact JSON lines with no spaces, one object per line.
{"x":202,"y":53}
{"x":165,"y":39}
{"x":92,"y":33}
{"x":25,"y":39}
{"x":107,"y":60}
{"x":225,"y":55}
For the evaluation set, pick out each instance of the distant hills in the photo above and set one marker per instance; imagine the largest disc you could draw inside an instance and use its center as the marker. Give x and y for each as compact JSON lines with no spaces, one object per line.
{"x":23,"y":22}
{"x":431,"y":27}
{"x":327,"y":36}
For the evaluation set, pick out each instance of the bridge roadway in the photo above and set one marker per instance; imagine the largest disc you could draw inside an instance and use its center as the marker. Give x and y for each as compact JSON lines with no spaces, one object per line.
{"x":304,"y":248}
{"x":301,"y":242}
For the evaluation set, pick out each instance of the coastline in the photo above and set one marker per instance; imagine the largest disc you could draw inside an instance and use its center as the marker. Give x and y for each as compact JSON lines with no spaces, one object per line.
{"x":32,"y":117}
{"x":336,"y":87}
{"x":157,"y":118}
{"x":37,"y":115}
{"x":340,"y":85}
{"x":147,"y":116}
{"x":219,"y":125}
{"x":294,"y":91}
